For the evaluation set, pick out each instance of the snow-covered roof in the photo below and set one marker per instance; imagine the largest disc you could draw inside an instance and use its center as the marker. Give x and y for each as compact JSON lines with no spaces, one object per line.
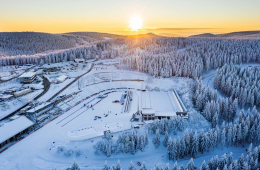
{"x":146,"y":100}
{"x":61,"y":78}
{"x":27,"y":74}
{"x":165,"y":114}
{"x":22,"y":91}
{"x":162,"y":103}
{"x":14,"y":127}
{"x":41,"y":106}
{"x":148,"y":111}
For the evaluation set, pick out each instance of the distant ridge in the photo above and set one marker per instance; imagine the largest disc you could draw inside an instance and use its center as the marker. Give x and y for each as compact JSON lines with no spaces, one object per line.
{"x":204,"y":35}
{"x":240,"y":34}
{"x":144,"y":35}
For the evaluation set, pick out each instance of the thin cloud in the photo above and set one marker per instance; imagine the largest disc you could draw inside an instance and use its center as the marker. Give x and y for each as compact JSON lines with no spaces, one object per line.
{"x":173,"y":29}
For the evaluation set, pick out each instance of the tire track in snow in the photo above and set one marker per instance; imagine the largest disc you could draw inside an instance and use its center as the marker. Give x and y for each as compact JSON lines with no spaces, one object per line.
{"x":82,"y":113}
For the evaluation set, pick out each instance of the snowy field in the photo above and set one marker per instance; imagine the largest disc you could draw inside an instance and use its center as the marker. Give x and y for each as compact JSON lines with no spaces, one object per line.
{"x":77,"y":129}
{"x":74,"y":127}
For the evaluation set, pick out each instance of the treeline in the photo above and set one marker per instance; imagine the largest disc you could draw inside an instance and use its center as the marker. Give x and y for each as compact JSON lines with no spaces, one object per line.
{"x":28,"y":43}
{"x":126,"y":143}
{"x":187,"y":57}
{"x":245,"y":129}
{"x":31,"y":43}
{"x":225,"y":162}
{"x":84,"y":52}
{"x":236,"y":82}
{"x":214,"y":109}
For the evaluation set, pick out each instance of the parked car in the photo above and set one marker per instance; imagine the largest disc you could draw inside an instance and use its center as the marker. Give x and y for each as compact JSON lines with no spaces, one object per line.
{"x":136,"y":127}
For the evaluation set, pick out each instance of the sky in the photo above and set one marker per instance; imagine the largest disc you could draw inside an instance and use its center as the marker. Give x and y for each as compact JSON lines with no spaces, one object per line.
{"x":171,"y":17}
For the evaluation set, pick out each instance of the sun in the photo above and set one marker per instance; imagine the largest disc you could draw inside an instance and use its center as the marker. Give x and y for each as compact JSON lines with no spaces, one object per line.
{"x":136,"y":23}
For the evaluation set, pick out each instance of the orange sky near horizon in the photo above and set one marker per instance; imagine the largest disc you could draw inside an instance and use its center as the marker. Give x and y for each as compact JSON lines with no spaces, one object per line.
{"x":112,"y":16}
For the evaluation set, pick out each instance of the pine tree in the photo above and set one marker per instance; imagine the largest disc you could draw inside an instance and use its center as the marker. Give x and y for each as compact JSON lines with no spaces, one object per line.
{"x":109,"y":150}
{"x":156,"y":139}
{"x":118,"y":166}
{"x":170,"y":148}
{"x":113,"y":167}
{"x":165,"y":141}
{"x":143,"y":167}
{"x":105,"y":167}
{"x":175,"y":166}
{"x":131,"y":167}
{"x":203,"y":166}
{"x":74,"y":166}
{"x":133,"y":147}
{"x":190,"y":165}
{"x":230,"y":159}
{"x":167,"y":167}
{"x":223,"y":138}
{"x":195,"y":145}
{"x":181,"y":167}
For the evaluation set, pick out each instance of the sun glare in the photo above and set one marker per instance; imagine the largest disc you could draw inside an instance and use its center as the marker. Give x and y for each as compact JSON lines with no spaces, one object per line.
{"x":136,"y":23}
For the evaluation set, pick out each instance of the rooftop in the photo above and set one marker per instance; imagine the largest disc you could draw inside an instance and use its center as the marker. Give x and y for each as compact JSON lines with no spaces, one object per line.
{"x":61,"y":78}
{"x":160,"y":102}
{"x":27,"y":74}
{"x":14,"y":127}
{"x":41,"y":106}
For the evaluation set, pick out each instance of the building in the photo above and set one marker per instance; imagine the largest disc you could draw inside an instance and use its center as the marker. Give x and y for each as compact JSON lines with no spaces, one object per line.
{"x":60,"y":79}
{"x":27,"y":77}
{"x":13,"y":129}
{"x":22,"y":92}
{"x":40,"y":109}
{"x":79,"y":60}
{"x":160,"y":104}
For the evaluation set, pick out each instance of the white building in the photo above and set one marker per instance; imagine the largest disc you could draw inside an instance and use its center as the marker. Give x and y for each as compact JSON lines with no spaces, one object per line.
{"x":11,"y":130}
{"x":60,"y":79}
{"x":158,"y":104}
{"x":27,"y":77}
{"x":22,"y":92}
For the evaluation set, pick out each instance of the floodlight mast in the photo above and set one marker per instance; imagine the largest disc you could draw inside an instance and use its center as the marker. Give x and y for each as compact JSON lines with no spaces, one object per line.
{"x":137,"y":61}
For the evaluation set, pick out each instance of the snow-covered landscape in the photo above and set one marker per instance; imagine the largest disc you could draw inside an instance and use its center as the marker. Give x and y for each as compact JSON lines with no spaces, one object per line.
{"x":90,"y":100}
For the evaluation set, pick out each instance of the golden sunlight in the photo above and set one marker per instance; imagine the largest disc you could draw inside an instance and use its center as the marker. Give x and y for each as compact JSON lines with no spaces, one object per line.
{"x":136,"y":23}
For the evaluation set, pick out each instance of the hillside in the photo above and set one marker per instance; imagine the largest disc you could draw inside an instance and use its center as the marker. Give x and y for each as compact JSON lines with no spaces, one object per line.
{"x":29,"y":43}
{"x":143,"y":35}
{"x":208,"y":35}
{"x":14,"y":43}
{"x":240,"y":35}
